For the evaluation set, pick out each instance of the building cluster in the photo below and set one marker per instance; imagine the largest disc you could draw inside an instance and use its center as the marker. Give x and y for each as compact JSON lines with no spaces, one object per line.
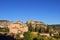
{"x":14,"y":28}
{"x":20,"y":27}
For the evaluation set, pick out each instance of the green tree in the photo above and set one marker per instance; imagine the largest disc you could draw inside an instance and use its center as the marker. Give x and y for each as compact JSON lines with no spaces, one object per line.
{"x":52,"y":39}
{"x":47,"y":30}
{"x":37,"y":29}
{"x":29,"y":27}
{"x":56,"y":36}
{"x":41,"y":30}
{"x":5,"y":29}
{"x":46,"y":38}
{"x":18,"y":36}
{"x":27,"y":36}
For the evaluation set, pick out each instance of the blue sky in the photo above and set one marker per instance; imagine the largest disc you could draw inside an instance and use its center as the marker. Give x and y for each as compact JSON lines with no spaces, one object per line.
{"x":47,"y":11}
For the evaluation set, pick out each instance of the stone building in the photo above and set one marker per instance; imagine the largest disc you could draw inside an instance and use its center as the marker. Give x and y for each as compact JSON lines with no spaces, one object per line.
{"x":15,"y":28}
{"x":18,"y":27}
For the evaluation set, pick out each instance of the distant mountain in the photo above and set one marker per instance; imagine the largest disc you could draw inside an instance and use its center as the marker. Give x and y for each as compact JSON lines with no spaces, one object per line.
{"x":55,"y":27}
{"x":4,"y":21}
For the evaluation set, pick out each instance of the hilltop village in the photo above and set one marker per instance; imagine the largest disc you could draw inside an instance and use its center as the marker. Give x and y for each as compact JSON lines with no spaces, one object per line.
{"x":31,"y":30}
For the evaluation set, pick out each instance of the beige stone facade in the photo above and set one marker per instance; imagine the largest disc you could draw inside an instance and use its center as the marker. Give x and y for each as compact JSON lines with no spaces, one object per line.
{"x":45,"y":34}
{"x":17,"y":27}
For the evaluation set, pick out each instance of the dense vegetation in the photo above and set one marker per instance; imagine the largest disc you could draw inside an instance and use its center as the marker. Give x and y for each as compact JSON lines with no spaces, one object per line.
{"x":5,"y":29}
{"x":51,"y":30}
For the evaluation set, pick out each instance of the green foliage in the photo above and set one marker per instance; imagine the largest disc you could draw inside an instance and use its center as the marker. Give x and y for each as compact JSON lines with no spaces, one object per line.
{"x":34,"y":35}
{"x":56,"y":36}
{"x":18,"y":36}
{"x":31,"y":36}
{"x":47,"y":30}
{"x":5,"y":29}
{"x":37,"y":29}
{"x":46,"y":38}
{"x":27,"y":36}
{"x":53,"y":38}
{"x":59,"y":34}
{"x":29,"y":27}
{"x":40,"y":29}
